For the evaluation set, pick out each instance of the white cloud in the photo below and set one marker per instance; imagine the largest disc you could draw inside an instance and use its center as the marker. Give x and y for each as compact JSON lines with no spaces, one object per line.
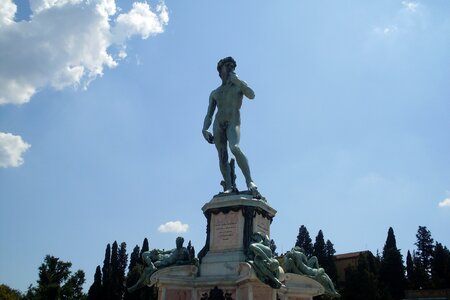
{"x":173,"y":226}
{"x":445,"y":203}
{"x":7,"y":13}
{"x":11,"y":149}
{"x":66,"y":43}
{"x":410,"y":6}
{"x":388,"y":30}
{"x":140,"y":19}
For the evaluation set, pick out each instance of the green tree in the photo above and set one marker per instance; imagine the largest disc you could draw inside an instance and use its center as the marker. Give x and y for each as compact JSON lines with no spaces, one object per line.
{"x":392,"y":272}
{"x":440,"y":267}
{"x":56,"y":282}
{"x":106,"y":274}
{"x":361,"y":281}
{"x":319,"y":248}
{"x":7,"y":293}
{"x":135,"y":269}
{"x":134,"y":258}
{"x":304,"y":241}
{"x":119,"y":260}
{"x":423,"y":257}
{"x":410,"y":271}
{"x":144,"y":248}
{"x":95,"y":291}
{"x":420,"y":276}
{"x":330,"y":262}
{"x":114,"y":293}
{"x":425,"y":247}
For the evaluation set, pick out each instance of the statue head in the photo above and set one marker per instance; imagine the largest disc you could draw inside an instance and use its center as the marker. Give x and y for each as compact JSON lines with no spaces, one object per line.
{"x":225,"y":60}
{"x":179,"y":242}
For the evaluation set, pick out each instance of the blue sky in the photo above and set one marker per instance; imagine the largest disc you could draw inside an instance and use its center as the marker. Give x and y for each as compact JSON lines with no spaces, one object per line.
{"x":102,"y":104}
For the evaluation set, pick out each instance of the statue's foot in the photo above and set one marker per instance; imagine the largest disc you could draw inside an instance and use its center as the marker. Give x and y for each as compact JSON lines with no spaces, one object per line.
{"x":252,"y":186}
{"x":228,"y":191}
{"x":254,"y":190}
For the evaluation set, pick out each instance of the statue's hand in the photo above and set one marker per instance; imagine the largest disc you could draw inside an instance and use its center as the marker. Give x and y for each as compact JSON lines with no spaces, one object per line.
{"x":234,"y":79}
{"x":208,"y":136}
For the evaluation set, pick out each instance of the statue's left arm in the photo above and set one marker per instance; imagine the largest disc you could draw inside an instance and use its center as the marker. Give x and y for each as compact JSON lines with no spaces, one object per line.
{"x":246,"y":90}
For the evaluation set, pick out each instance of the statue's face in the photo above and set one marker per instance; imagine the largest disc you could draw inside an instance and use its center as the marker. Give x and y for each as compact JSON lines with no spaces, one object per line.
{"x":226,"y":69}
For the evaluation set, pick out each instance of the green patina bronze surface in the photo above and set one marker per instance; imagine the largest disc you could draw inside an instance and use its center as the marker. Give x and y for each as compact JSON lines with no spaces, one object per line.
{"x":157,"y":259}
{"x":266,"y":267}
{"x":295,"y":261}
{"x":227,"y":99}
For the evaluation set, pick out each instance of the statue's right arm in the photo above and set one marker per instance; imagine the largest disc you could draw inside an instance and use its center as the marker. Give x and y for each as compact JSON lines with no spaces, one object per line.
{"x":208,"y":118}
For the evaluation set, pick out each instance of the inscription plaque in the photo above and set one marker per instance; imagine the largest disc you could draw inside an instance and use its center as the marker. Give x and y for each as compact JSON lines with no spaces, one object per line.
{"x":226,"y":231}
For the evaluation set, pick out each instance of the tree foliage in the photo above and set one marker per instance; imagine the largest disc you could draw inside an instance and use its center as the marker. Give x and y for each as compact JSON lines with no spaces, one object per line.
{"x":106,"y":274}
{"x":425,"y":248}
{"x":361,"y":281}
{"x":319,"y":250}
{"x":410,"y":271}
{"x":440,"y":267}
{"x":134,"y":258}
{"x":7,"y":293}
{"x":57,"y":282}
{"x":304,"y":241}
{"x":419,"y":272}
{"x":96,"y":291}
{"x":145,"y":247}
{"x":330,"y":262}
{"x":392,"y":272}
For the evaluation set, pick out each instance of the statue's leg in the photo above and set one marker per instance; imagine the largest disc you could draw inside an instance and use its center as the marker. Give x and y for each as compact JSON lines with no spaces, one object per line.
{"x":233,"y":134}
{"x":313,"y":262}
{"x":220,"y":140}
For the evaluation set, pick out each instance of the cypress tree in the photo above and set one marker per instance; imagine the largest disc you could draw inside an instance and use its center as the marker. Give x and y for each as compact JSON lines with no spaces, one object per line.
{"x":135,"y":269}
{"x":134,"y":258}
{"x":410,"y":271}
{"x":115,"y":276}
{"x":122,"y":265}
{"x":96,"y":291}
{"x":319,"y":250}
{"x":304,"y":241}
{"x":330,"y":263}
{"x":391,"y":275}
{"x":106,"y":271}
{"x":144,"y":248}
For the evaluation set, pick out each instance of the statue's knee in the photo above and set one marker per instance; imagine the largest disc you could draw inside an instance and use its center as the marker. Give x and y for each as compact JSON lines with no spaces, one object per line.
{"x":235,"y":149}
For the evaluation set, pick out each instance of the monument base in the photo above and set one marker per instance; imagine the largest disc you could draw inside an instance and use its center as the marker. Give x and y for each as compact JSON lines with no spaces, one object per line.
{"x":182,"y":283}
{"x":223,"y":272}
{"x":176,"y":283}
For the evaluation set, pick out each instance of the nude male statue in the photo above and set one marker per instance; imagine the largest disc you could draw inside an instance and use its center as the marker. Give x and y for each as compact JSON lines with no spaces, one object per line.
{"x":227,"y":98}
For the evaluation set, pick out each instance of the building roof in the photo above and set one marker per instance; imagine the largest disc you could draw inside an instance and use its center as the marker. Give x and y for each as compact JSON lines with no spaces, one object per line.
{"x":350,"y":255}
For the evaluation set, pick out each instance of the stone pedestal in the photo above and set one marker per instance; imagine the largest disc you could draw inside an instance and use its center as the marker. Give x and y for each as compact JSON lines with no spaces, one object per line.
{"x":180,"y":283}
{"x":223,"y":272}
{"x":231,"y":220}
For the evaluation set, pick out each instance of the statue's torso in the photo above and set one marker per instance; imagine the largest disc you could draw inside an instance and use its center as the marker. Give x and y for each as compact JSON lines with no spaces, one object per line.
{"x":228,"y":100}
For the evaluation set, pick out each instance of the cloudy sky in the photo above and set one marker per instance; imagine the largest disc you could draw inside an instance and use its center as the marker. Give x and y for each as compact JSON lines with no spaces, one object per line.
{"x":102,"y":104}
